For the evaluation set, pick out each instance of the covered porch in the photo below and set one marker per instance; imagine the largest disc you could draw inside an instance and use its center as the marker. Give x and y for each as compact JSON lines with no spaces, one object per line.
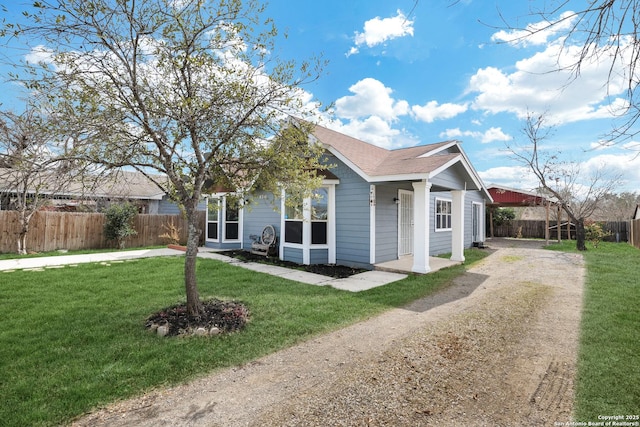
{"x":450,"y":219}
{"x":405,"y":264}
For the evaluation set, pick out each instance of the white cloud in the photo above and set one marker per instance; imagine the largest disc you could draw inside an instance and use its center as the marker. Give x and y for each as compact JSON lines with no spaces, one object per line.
{"x":457,"y":133}
{"x":432,"y":111}
{"x":490,"y":135}
{"x":632,"y":145}
{"x":495,"y":134}
{"x":510,"y":176}
{"x":375,"y":131}
{"x":378,"y":31}
{"x":538,"y":85}
{"x":371,"y":98}
{"x":40,"y":55}
{"x":627,"y":165}
{"x":538,"y":33}
{"x":608,"y":166}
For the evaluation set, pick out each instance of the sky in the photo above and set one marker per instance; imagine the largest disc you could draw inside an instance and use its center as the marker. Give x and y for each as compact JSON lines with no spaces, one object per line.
{"x":404,"y":73}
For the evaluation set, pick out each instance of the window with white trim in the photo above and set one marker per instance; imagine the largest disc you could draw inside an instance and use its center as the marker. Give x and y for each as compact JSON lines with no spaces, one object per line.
{"x":313,"y":209}
{"x":319,"y":216}
{"x":223,"y":219}
{"x":443,"y":215}
{"x":293,"y":219}
{"x":231,"y":220}
{"x":213,"y":218}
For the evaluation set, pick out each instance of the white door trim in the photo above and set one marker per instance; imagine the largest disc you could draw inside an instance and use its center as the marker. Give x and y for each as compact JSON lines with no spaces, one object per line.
{"x":405,"y":222}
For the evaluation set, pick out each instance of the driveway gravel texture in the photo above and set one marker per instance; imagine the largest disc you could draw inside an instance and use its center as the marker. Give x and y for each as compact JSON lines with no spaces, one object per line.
{"x":496,"y":348}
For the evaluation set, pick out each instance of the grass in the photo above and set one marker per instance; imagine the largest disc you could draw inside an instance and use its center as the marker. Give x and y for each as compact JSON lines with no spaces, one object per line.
{"x":11,"y":255}
{"x":608,"y":378}
{"x":73,"y":339}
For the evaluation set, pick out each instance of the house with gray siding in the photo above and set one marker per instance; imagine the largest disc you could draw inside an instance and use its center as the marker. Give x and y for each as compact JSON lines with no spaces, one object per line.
{"x":375,"y":205}
{"x":91,"y":193}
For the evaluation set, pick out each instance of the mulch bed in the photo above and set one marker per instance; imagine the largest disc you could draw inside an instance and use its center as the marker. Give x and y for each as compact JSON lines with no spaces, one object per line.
{"x":227,"y":316}
{"x":336,"y":271}
{"x":231,"y":316}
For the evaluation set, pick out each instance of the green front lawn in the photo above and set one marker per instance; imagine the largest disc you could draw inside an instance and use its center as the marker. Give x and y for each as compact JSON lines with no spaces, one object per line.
{"x":608,"y":380}
{"x":11,"y":255}
{"x":74,"y":338}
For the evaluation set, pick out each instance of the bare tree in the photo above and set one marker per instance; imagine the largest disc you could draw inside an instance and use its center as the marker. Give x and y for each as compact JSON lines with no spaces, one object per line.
{"x":34,"y":166}
{"x":619,"y":207}
{"x":191,"y":90}
{"x":577,"y":195}
{"x":601,"y":30}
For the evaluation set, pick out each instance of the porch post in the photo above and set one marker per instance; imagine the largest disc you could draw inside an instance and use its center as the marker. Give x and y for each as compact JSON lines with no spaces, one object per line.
{"x":306,"y":231}
{"x":283,"y":208}
{"x":457,"y":225}
{"x":421,"y":227}
{"x":372,"y":224}
{"x":331,"y":225}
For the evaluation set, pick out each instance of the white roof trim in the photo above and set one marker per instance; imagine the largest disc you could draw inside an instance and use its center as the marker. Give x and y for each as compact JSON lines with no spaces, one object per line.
{"x":461,"y":157}
{"x":403,"y":177}
{"x":444,"y":147}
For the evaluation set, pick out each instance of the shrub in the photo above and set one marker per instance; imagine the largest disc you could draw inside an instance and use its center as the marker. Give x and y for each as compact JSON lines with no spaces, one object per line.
{"x":594,"y":233}
{"x":119,"y":222}
{"x":503,"y":216}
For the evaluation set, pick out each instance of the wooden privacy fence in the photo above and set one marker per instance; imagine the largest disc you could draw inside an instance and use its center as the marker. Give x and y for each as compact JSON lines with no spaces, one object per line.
{"x":618,"y":230}
{"x":49,"y":231}
{"x":634,"y":235}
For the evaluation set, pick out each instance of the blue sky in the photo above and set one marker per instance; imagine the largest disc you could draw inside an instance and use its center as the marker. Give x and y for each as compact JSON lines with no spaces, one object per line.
{"x":401,"y":74}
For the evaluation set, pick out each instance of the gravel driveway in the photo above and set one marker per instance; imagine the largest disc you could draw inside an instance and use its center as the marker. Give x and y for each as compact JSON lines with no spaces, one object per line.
{"x":497,"y":348}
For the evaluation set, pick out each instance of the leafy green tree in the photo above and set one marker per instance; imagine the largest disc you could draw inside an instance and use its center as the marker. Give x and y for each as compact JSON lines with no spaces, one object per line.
{"x":192,"y":90}
{"x":503,"y":216}
{"x":118,"y":223}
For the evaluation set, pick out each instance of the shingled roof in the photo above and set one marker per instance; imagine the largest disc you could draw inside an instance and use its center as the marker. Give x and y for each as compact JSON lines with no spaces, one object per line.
{"x":124,"y":184}
{"x":375,"y":162}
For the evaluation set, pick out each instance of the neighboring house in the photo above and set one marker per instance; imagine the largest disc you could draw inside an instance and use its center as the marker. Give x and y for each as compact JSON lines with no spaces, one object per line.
{"x":375,"y":205}
{"x":92,"y":195}
{"x":636,"y":213}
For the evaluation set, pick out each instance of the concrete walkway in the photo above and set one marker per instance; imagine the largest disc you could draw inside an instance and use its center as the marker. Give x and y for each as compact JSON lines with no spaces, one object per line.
{"x":355,"y":283}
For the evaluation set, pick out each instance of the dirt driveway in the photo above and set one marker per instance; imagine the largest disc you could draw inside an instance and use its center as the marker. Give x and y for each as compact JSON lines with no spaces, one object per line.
{"x":498,"y":348}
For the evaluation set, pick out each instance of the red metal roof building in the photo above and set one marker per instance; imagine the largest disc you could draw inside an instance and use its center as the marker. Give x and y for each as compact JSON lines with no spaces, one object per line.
{"x":511,"y":197}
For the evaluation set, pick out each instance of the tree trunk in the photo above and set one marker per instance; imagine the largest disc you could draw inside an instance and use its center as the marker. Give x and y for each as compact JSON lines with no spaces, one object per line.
{"x":581,"y":235}
{"x":22,"y":243}
{"x":194,"y":306}
{"x":22,"y":237}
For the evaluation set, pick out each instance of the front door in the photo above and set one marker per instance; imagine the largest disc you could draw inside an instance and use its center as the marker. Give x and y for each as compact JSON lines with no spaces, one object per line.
{"x":405,"y":222}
